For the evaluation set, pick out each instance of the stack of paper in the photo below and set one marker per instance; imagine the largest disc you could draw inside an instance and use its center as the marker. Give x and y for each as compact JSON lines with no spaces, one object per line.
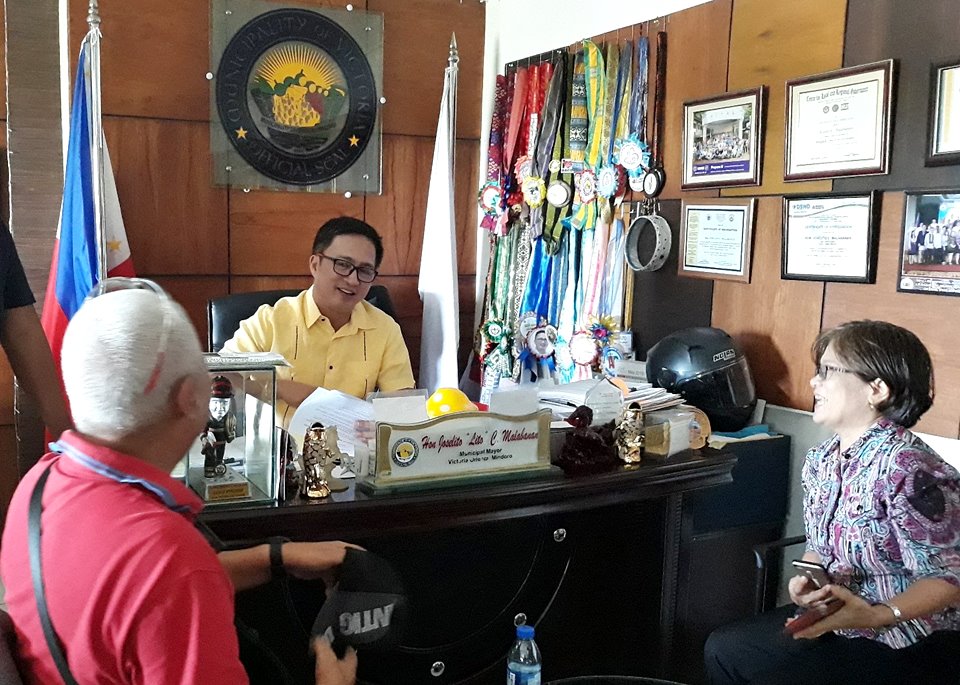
{"x":650,"y":399}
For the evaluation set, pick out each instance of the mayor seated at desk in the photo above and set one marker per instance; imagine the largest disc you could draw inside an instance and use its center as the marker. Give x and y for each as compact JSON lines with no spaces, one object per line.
{"x":331,"y":336}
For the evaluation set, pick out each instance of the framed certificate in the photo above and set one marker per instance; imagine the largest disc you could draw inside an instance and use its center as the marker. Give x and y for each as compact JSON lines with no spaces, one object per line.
{"x":723,"y":140}
{"x":930,"y":243}
{"x":830,"y":237}
{"x":943,"y":146}
{"x":716,"y":238}
{"x":838,"y":124}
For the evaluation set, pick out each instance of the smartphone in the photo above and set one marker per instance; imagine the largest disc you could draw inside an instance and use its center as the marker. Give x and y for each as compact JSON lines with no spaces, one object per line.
{"x":807,"y":617}
{"x":815,"y":572}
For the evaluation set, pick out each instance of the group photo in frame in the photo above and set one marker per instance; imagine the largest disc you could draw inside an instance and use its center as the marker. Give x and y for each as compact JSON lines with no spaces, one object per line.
{"x":930,"y":243}
{"x":943,"y":136}
{"x":830,"y":237}
{"x":839,"y":123}
{"x":716,"y":238}
{"x":723,"y":140}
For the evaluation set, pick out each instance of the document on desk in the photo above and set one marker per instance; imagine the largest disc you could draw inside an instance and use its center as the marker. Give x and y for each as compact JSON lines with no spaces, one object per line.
{"x":331,"y":408}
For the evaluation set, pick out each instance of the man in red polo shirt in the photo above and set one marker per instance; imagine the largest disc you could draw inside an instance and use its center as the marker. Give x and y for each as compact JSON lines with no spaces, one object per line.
{"x":135,"y":593}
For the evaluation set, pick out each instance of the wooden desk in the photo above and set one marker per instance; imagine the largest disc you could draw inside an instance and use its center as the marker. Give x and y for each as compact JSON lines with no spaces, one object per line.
{"x":591,"y":560}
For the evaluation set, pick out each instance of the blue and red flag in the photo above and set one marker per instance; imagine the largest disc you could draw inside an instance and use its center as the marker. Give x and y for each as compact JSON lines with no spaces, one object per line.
{"x":73,"y":272}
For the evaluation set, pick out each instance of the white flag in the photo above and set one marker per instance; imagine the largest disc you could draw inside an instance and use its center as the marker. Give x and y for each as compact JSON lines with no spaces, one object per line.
{"x":438,"y":261}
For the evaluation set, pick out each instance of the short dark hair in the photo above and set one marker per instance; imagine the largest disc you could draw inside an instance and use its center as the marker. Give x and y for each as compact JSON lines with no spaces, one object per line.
{"x":347,"y":225}
{"x":877,"y":349}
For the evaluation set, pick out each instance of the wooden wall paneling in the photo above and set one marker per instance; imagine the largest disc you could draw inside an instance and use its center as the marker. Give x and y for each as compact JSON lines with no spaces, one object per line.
{"x":663,"y":301}
{"x":192,"y":292}
{"x":399,"y":212}
{"x":416,"y":42}
{"x":249,"y":284}
{"x":154,"y":57}
{"x":176,"y":221}
{"x":4,"y":169}
{"x":3,"y":64}
{"x":696,"y":67}
{"x":925,"y":315}
{"x":6,"y":391}
{"x":917,"y":34}
{"x":771,"y":42}
{"x":465,"y":204}
{"x":774,"y":321}
{"x":271,"y":232}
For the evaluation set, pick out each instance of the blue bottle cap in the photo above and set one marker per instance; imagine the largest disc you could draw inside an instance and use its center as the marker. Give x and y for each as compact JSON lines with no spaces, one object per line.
{"x":525,"y":632}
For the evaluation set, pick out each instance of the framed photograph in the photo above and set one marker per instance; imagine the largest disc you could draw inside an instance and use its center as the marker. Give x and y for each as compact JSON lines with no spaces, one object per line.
{"x":716,"y":238}
{"x":930,"y":243}
{"x":723,"y":140}
{"x":838,"y":124}
{"x":830,"y":237}
{"x":943,"y":136}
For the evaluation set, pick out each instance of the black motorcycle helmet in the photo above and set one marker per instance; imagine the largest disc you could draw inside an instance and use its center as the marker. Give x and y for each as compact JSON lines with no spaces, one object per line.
{"x":706,"y":367}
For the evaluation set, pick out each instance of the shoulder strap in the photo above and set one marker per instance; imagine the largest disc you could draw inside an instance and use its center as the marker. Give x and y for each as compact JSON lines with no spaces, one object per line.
{"x":36,"y":573}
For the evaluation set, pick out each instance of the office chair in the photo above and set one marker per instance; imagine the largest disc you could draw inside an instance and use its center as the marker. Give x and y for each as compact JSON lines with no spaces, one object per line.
{"x":224,"y":314}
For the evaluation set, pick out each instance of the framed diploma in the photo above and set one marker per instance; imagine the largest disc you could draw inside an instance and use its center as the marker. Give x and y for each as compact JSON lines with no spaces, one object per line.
{"x":716,"y":238}
{"x":830,"y":237}
{"x":723,"y":140}
{"x":930,"y":243}
{"x":943,"y":136}
{"x":838,"y":124}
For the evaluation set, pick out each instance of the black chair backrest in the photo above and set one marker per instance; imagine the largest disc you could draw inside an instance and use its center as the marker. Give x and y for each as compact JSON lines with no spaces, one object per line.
{"x":224,"y":314}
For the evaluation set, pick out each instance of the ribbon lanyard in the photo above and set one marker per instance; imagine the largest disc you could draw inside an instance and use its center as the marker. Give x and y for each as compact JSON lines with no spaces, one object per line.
{"x":584,"y":210}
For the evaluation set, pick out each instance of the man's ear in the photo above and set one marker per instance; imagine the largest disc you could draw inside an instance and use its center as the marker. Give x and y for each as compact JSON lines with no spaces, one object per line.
{"x":187,"y":397}
{"x":314,"y":264}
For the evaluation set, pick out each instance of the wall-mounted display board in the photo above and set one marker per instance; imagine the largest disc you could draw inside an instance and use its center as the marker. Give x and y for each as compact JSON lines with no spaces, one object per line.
{"x":944,"y":136}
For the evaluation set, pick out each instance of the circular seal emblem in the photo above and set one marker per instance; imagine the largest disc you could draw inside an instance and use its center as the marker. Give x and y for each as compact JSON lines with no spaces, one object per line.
{"x":534,"y":192}
{"x":404,"y":452}
{"x":558,"y":194}
{"x":489,"y":199}
{"x":630,"y":155}
{"x":583,"y":348}
{"x":587,"y":186}
{"x":296,"y":96}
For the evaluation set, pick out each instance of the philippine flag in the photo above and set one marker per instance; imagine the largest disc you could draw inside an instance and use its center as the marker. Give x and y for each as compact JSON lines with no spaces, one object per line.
{"x":73,"y":272}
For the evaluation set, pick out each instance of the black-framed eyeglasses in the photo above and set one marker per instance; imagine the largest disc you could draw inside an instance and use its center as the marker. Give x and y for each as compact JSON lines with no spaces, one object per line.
{"x":343,"y":267}
{"x":109,"y":285}
{"x":824,"y":370}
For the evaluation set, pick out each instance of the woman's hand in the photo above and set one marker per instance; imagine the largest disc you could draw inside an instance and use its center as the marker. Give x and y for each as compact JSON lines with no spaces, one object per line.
{"x":856,"y":612}
{"x":801,"y":590}
{"x":333,"y":671}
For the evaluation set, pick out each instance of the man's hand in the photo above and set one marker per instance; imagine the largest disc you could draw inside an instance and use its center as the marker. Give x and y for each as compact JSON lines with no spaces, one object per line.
{"x":330,"y":669}
{"x":293,"y":392}
{"x":312,"y":560}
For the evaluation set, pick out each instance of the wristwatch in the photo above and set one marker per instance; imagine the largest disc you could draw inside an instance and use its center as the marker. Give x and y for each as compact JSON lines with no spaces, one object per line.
{"x":277,"y":569}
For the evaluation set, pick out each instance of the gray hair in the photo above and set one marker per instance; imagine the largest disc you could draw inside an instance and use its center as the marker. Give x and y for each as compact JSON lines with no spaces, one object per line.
{"x":110,"y":352}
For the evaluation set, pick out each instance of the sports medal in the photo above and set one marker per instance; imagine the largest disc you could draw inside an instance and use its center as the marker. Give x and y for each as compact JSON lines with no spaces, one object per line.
{"x":523,"y":167}
{"x":583,"y":349}
{"x":534,"y":191}
{"x":558,"y":194}
{"x":489,"y":199}
{"x":608,"y":181}
{"x":587,"y":186}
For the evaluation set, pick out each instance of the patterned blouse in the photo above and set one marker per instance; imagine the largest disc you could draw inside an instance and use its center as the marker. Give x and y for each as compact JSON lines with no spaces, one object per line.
{"x":881,"y":515}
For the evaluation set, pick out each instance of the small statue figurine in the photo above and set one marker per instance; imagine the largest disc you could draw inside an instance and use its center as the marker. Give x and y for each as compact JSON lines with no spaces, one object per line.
{"x":221,"y":427}
{"x":629,"y":435}
{"x":317,"y":459}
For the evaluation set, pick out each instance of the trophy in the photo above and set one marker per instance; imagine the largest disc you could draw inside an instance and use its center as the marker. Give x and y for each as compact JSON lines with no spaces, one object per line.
{"x":320,"y":452}
{"x":629,"y":435}
{"x":221,"y":427}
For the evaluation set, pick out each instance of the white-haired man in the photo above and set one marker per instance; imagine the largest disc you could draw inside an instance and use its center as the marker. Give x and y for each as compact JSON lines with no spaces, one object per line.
{"x":135,"y":593}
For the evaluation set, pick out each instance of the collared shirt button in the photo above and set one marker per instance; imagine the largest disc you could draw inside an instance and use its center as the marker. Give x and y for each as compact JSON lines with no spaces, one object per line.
{"x":331,"y":367}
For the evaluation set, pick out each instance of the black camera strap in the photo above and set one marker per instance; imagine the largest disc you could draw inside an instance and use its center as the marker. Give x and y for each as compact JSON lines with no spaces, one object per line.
{"x":36,"y":573}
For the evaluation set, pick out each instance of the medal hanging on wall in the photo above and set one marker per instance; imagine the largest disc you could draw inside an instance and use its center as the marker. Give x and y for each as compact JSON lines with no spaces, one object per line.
{"x":491,"y":193}
{"x":655,"y":178}
{"x":634,"y":153}
{"x":584,"y":209}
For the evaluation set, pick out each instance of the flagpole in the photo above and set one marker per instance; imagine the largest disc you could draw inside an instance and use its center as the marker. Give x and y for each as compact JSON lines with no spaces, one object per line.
{"x":96,"y":137}
{"x":453,"y":62}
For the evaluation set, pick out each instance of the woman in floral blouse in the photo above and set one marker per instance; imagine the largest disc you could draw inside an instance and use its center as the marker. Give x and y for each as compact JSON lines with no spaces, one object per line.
{"x":882,"y":515}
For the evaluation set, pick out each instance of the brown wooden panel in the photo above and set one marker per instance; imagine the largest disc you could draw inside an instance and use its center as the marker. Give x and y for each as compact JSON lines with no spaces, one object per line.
{"x":691,"y":73}
{"x":925,"y":315}
{"x":155,"y":55}
{"x":192,"y":292}
{"x":774,"y":321}
{"x":249,"y":284}
{"x":176,"y":221}
{"x":6,"y":391}
{"x":3,"y":67}
{"x":771,"y":42}
{"x":8,"y":468}
{"x":416,"y":44}
{"x":271,"y":232}
{"x":400,"y":212}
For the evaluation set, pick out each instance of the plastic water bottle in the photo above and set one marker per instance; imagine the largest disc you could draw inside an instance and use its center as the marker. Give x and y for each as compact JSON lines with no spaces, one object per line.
{"x":523,"y":661}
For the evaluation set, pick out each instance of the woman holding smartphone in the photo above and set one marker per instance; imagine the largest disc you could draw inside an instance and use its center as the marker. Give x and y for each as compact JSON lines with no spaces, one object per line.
{"x":882,"y":516}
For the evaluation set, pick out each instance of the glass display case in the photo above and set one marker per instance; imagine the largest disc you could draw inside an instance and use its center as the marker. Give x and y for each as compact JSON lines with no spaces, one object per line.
{"x":235,"y":458}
